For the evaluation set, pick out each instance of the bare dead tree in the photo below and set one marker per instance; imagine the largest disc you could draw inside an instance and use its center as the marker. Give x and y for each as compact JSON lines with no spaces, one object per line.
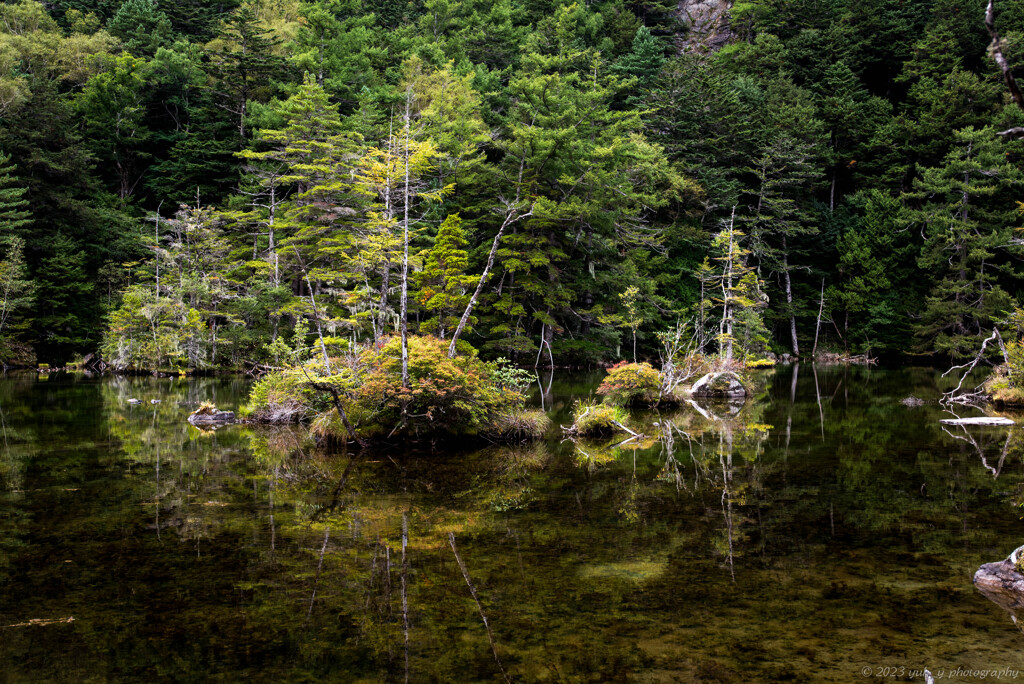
{"x":512,"y":215}
{"x":957,"y":395}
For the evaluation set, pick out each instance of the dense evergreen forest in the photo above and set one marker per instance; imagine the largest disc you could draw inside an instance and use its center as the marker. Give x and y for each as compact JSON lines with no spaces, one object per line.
{"x":202,"y":185}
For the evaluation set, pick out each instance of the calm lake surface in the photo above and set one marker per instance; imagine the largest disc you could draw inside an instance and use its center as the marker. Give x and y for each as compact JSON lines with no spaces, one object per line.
{"x":815,"y":531}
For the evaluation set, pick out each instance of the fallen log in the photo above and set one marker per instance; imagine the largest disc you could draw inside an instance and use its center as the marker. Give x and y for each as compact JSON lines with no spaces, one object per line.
{"x":982,"y":420}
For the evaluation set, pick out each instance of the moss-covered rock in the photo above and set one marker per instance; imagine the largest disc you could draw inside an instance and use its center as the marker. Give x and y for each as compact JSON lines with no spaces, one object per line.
{"x":721,"y":384}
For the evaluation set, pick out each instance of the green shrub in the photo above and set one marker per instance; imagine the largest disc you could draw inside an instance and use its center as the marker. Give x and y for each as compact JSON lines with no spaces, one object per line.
{"x":1015,"y":366}
{"x":760,"y":363}
{"x":629,"y":383}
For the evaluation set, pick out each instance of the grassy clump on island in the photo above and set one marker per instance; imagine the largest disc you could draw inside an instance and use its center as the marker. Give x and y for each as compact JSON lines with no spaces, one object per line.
{"x":594,"y":419}
{"x":458,"y":396}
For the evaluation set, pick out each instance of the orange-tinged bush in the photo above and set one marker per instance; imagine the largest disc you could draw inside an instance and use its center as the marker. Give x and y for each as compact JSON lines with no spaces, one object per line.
{"x":628,"y":383}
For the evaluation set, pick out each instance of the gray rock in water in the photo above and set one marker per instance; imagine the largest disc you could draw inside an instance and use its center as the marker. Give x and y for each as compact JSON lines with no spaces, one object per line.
{"x":912,"y":401}
{"x":725,"y":384}
{"x":1002,"y":584}
{"x":983,"y":420}
{"x":208,"y":418}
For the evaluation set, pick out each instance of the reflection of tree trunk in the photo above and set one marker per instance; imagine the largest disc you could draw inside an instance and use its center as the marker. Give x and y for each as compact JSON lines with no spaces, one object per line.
{"x":273,"y":529}
{"x":479,"y":606}
{"x":817,"y":394}
{"x":405,"y":592}
{"x":727,"y":512}
{"x":158,"y":490}
{"x":319,"y":567}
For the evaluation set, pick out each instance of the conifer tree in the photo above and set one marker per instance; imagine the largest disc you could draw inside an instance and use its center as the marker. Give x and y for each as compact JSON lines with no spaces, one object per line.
{"x":141,"y":26}
{"x":642,"y":63}
{"x":14,"y":214}
{"x":444,"y":285}
{"x":16,"y":290}
{"x":968,"y":223}
{"x":243,"y":64}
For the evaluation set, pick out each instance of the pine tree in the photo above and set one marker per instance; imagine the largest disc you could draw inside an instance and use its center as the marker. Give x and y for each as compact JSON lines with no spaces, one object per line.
{"x":643,"y":63}
{"x":141,"y":26}
{"x":444,"y":285}
{"x":14,"y":214}
{"x":16,"y":290}
{"x":965,"y":213}
{"x":113,"y":106}
{"x":243,"y":64}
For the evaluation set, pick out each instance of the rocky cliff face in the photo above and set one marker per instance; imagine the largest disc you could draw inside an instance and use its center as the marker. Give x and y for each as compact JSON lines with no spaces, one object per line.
{"x":706,"y":24}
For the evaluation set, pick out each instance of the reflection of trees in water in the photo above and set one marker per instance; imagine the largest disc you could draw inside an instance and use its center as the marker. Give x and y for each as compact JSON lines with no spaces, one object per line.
{"x":306,"y":557}
{"x":724,"y":445}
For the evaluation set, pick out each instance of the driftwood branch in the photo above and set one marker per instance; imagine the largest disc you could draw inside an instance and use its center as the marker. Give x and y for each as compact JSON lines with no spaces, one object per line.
{"x":624,"y":428}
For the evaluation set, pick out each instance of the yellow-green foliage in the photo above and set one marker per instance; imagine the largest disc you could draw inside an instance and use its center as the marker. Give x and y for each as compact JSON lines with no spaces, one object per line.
{"x":1015,"y":365}
{"x":629,"y":383}
{"x":205,"y":408}
{"x":592,"y":418}
{"x":277,"y":395}
{"x":464,"y":395}
{"x":1006,"y":383}
{"x":760,"y":363}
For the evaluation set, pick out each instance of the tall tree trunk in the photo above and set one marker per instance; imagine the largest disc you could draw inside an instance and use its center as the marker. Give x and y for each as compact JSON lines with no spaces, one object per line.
{"x":727,"y":308}
{"x":510,"y":216}
{"x":405,"y":260}
{"x":404,"y":315}
{"x":789,"y":298}
{"x":817,"y":325}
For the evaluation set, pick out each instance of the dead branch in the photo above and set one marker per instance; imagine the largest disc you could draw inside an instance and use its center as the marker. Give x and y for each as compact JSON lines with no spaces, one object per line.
{"x":955,"y":396}
{"x":336,"y":400}
{"x":996,"y":50}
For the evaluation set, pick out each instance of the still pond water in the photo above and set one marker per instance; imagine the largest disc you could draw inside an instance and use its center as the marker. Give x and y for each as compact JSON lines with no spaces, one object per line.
{"x":817,"y":532}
